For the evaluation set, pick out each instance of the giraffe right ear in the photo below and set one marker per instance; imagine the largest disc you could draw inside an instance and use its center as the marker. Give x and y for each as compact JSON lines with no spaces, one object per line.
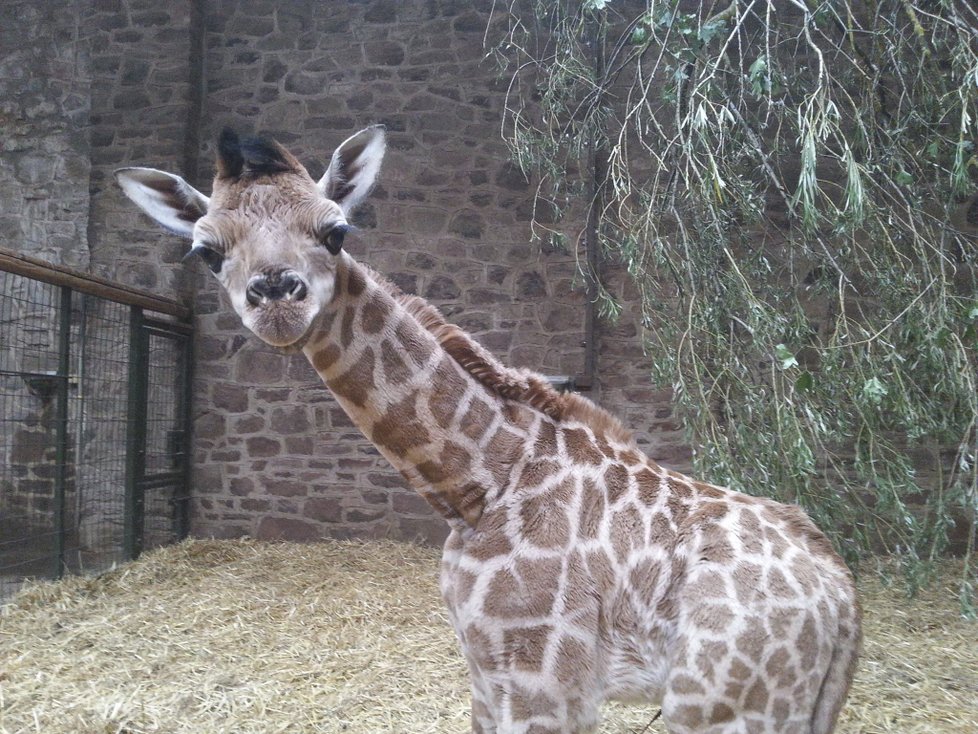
{"x":167,"y":198}
{"x":354,"y":168}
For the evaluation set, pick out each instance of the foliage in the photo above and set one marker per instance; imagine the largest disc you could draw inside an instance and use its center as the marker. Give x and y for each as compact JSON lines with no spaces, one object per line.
{"x":785,"y":182}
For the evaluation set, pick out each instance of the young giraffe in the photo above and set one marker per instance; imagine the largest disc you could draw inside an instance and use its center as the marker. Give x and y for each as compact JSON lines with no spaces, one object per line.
{"x":577,"y":570}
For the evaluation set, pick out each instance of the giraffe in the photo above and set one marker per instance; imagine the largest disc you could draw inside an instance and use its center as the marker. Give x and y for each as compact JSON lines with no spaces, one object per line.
{"x":576,"y":570}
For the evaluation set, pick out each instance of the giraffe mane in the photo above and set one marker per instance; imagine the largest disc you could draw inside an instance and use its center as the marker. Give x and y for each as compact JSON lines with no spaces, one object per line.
{"x":519,"y":385}
{"x":252,"y":157}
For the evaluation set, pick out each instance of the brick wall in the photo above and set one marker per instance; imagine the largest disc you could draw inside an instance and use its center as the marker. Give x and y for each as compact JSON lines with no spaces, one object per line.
{"x":274,"y":454}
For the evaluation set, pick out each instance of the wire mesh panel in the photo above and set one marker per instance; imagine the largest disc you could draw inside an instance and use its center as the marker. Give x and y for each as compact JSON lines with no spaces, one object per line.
{"x":31,"y":395}
{"x":91,"y":470}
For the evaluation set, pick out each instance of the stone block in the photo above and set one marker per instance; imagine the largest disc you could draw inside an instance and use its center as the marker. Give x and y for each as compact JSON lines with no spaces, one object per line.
{"x":230,"y":397}
{"x":323,"y":509}
{"x":430,"y":531}
{"x":260,"y":367}
{"x":358,"y":515}
{"x":289,"y":420}
{"x":287,"y":528}
{"x":262,"y":446}
{"x":442,"y":288}
{"x":411,"y":503}
{"x":530,"y":285}
{"x":384,"y":53}
{"x":467,"y":223}
{"x":285,"y":487}
{"x":387,"y":480}
{"x":248,"y":424}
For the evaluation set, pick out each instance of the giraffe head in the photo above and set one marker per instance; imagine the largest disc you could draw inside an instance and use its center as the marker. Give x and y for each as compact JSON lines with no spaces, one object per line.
{"x":270,"y":234}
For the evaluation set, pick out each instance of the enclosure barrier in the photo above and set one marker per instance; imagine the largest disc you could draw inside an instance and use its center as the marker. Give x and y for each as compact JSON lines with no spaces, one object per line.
{"x":94,"y":421}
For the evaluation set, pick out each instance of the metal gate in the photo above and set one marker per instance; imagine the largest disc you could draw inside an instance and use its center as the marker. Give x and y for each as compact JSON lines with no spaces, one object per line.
{"x":94,"y":421}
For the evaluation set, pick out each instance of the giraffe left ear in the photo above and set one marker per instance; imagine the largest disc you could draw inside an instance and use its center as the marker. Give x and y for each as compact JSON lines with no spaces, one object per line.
{"x":167,"y":198}
{"x":354,"y":167}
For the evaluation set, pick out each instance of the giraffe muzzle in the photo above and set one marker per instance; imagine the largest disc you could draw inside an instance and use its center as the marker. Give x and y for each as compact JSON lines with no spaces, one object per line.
{"x":264,"y":289}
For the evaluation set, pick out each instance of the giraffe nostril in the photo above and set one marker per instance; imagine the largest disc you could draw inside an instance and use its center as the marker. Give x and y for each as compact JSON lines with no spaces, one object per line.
{"x":275,"y":287}
{"x":298,"y":290}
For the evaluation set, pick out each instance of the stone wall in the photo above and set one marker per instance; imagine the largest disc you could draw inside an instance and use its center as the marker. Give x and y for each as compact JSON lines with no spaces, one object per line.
{"x":44,"y":105}
{"x":274,"y":454}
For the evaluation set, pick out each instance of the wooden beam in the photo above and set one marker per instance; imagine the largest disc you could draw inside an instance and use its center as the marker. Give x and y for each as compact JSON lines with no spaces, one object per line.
{"x":93,"y":285}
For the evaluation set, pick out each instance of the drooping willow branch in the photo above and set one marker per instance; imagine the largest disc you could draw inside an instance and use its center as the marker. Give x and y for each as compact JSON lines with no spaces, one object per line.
{"x":784,"y":185}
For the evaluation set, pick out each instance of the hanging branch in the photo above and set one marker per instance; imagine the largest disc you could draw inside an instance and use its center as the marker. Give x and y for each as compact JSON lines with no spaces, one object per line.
{"x":781,"y":184}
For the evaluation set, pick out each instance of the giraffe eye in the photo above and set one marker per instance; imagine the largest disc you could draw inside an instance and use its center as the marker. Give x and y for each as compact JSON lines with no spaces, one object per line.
{"x":332,"y":239}
{"x":211,"y":257}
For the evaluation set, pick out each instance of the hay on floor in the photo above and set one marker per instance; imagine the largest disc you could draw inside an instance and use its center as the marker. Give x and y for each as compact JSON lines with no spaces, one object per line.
{"x":240,"y":636}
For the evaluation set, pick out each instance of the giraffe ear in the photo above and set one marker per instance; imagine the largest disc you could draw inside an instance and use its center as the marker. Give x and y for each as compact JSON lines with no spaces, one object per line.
{"x":354,"y":167}
{"x":167,"y":198}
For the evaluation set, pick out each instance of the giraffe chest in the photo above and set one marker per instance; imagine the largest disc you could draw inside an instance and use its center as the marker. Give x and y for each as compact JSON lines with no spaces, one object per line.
{"x":515,"y":607}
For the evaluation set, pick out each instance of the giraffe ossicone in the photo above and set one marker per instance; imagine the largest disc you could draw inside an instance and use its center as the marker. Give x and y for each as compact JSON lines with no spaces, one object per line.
{"x":577,"y":570}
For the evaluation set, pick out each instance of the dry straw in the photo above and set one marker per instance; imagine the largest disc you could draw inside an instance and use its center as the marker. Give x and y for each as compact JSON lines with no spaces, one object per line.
{"x":240,"y":636}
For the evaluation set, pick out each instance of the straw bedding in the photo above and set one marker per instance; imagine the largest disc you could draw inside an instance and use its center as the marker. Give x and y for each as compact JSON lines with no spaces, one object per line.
{"x":240,"y":636}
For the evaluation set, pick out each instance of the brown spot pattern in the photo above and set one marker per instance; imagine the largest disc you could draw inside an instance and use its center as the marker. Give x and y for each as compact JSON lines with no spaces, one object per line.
{"x":346,"y":327}
{"x":453,"y":462}
{"x":757,"y":696}
{"x":395,"y":369}
{"x":626,"y":532}
{"x":525,"y":646}
{"x":531,"y":593}
{"x":580,"y":447}
{"x":357,"y":383}
{"x":592,"y":510}
{"x":648,"y":486}
{"x":415,"y":343}
{"x":535,"y":473}
{"x":451,"y":387}
{"x":546,"y":443}
{"x":721,"y":713}
{"x":526,"y":705}
{"x":573,"y":663}
{"x":490,"y":539}
{"x":543,"y":524}
{"x":373,"y":315}
{"x":502,"y":451}
{"x":400,"y":430}
{"x":326,"y":357}
{"x":476,"y":420}
{"x":356,"y":282}
{"x":616,"y":482}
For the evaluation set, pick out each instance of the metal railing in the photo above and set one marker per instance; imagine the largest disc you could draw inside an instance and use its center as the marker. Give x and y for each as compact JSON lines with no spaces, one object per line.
{"x":94,"y":421}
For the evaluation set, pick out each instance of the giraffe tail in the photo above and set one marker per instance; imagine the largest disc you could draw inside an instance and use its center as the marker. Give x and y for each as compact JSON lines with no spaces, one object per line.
{"x":842,"y":668}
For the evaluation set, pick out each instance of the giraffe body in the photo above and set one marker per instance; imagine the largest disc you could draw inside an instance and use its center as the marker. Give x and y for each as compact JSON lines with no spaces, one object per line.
{"x":577,"y":570}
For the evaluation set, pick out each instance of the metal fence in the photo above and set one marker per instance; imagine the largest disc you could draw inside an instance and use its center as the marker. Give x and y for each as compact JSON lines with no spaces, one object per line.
{"x":94,"y":421}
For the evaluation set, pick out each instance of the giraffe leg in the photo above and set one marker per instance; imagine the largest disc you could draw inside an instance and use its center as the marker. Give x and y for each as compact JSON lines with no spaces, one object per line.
{"x":525,"y":710}
{"x":515,"y":702}
{"x":483,"y":720}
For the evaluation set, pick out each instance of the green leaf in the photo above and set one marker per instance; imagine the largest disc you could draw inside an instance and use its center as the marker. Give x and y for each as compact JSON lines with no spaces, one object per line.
{"x":757,"y":73}
{"x":640,"y":35}
{"x":903,"y":178}
{"x":804,"y":382}
{"x":710,"y":30}
{"x":874,"y":390}
{"x":786,"y":356}
{"x":973,"y":313}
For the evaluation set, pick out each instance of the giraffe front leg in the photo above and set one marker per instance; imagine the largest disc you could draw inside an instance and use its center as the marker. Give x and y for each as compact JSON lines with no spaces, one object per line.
{"x":528,"y":708}
{"x":483,"y":721}
{"x":511,"y":699}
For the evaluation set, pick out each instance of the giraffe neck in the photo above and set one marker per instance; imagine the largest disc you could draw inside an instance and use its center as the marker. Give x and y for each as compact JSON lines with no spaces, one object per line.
{"x":454,"y":441}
